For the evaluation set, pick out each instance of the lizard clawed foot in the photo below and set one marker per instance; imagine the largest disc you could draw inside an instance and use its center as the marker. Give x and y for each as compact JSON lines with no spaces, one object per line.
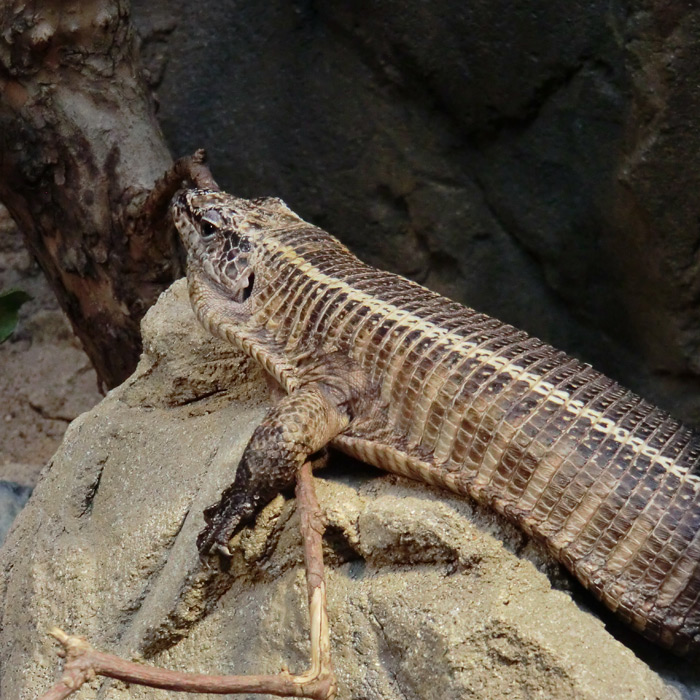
{"x":223,"y":520}
{"x":216,"y":535}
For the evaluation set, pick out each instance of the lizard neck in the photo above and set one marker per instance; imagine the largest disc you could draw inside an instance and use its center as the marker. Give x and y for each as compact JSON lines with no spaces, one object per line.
{"x":219,"y":314}
{"x":233,"y":322}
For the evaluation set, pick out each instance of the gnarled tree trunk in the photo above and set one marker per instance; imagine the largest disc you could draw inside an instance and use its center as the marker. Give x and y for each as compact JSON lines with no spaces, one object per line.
{"x":80,"y":149}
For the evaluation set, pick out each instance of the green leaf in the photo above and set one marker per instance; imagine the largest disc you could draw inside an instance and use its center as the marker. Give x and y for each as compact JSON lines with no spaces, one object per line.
{"x":10,"y":303}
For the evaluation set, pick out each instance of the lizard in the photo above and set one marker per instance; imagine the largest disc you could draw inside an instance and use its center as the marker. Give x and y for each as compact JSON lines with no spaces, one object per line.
{"x":393,"y":374}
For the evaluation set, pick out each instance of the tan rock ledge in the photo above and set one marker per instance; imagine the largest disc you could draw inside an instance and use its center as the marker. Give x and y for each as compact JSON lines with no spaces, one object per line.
{"x":427,"y":598}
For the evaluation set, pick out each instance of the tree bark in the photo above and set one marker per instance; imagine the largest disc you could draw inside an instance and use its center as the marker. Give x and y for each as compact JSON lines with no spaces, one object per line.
{"x":80,"y":149}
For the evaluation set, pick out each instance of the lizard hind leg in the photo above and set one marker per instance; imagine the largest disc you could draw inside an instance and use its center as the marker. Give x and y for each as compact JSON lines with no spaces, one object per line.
{"x":300,"y":425}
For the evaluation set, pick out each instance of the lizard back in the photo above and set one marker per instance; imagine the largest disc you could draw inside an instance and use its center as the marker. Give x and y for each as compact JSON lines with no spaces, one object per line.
{"x":609,"y":482}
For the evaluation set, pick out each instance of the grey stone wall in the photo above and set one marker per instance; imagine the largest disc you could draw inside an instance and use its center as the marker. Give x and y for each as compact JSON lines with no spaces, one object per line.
{"x":537,"y":161}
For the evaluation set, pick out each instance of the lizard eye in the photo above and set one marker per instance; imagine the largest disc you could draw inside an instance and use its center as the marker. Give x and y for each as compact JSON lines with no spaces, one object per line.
{"x":208,"y":230}
{"x":209,"y":223}
{"x":244,"y":245}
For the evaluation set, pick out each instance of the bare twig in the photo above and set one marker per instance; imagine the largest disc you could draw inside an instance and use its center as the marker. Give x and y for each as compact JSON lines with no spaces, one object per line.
{"x":192,"y":169}
{"x":189,"y":169}
{"x":318,"y":683}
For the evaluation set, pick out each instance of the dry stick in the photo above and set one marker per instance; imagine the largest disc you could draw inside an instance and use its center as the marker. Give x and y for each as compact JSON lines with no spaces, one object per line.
{"x":318,"y":683}
{"x":191,"y":169}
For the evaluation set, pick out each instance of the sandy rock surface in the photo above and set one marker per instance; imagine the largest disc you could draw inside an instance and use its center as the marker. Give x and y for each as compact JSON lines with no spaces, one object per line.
{"x":429,"y":597}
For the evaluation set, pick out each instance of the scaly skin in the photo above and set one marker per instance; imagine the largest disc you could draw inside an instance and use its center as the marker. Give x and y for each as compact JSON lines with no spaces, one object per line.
{"x":404,"y":379}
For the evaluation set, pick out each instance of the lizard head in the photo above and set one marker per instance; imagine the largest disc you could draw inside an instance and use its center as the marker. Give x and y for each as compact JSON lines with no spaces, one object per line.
{"x":223,"y":235}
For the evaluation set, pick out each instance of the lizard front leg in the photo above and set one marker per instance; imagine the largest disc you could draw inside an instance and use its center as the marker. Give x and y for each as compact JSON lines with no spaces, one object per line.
{"x":296,"y":427}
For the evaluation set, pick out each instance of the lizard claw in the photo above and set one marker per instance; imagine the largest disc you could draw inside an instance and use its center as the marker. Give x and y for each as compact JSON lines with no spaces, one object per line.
{"x":223,"y":520}
{"x":223,"y":549}
{"x":212,"y":541}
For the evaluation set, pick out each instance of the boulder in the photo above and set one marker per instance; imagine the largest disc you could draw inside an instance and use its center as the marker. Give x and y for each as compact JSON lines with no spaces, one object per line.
{"x":534,"y":160}
{"x":429,"y":595}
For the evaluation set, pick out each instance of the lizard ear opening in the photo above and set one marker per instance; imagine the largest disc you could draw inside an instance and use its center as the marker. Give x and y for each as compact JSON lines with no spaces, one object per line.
{"x":248,"y":290}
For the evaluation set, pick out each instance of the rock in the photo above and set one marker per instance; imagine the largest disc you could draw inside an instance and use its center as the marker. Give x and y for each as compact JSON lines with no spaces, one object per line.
{"x":13,"y":496}
{"x":46,"y":378}
{"x":44,"y":386}
{"x":429,"y":596}
{"x":536,"y":161}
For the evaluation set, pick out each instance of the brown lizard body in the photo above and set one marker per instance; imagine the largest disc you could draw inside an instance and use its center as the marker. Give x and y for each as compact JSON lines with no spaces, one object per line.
{"x":404,"y":379}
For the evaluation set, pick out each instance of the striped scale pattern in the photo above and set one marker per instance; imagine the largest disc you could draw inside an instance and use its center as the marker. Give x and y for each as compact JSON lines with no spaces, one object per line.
{"x":609,"y":482}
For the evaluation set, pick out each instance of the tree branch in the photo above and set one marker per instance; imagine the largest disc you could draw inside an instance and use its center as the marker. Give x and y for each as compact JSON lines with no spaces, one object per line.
{"x":318,"y":683}
{"x":80,"y":151}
